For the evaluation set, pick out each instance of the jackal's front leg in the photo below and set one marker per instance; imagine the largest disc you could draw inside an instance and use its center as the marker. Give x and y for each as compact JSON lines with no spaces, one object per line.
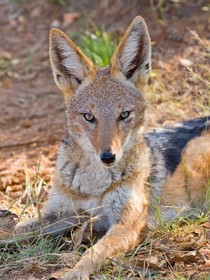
{"x":50,"y":224}
{"x":55,"y":218}
{"x":122,"y":237}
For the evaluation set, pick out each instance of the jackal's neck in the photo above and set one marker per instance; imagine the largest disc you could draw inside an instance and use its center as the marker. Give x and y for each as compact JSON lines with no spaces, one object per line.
{"x":80,"y":173}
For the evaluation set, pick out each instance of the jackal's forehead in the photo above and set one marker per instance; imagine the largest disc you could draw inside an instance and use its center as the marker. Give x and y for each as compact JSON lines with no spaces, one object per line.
{"x":105,"y":93}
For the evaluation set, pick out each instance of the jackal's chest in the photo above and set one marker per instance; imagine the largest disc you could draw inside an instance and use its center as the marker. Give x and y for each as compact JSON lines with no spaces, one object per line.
{"x":91,"y":179}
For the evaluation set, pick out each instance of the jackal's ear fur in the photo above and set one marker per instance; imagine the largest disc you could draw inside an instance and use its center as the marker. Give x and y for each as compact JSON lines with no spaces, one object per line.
{"x":70,"y":66}
{"x":132,"y":58}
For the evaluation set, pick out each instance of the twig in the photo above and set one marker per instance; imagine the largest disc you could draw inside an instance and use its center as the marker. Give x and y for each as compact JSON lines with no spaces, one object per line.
{"x":27,"y":143}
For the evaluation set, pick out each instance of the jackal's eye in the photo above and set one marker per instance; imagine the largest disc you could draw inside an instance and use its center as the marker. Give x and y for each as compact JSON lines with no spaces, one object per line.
{"x":124,"y":115}
{"x":89,"y":117}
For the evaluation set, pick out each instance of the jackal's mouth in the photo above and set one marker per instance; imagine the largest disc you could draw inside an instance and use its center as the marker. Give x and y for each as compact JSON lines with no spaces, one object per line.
{"x":109,"y":165}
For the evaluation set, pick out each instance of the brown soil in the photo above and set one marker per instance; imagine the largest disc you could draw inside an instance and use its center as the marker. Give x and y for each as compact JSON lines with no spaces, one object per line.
{"x":32,"y":118}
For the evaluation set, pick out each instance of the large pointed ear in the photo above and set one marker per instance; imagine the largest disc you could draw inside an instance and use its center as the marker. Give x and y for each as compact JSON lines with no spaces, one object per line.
{"x":132,"y":58}
{"x":70,"y":66}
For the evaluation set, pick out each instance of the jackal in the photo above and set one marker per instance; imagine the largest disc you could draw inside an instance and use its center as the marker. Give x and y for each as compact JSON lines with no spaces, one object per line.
{"x":107,"y":167}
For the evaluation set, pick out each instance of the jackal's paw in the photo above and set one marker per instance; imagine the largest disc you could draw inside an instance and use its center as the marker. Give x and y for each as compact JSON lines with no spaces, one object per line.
{"x":76,"y":274}
{"x":7,"y":223}
{"x":27,"y":226}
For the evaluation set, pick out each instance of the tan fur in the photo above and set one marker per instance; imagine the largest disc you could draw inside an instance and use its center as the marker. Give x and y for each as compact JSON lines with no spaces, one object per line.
{"x":188,"y":183}
{"x":117,"y":194}
{"x":89,"y":68}
{"x":115,"y":63}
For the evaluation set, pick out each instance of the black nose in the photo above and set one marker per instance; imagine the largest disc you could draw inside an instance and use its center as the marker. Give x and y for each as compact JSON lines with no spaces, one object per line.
{"x":107,"y":157}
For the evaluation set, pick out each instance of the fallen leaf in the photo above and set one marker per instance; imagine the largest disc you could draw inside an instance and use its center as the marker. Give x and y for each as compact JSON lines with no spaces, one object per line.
{"x":5,"y":55}
{"x":21,"y":19}
{"x":59,"y":274}
{"x":7,"y":223}
{"x":78,"y":235}
{"x":36,"y":12}
{"x":186,"y":62}
{"x":207,"y":263}
{"x":26,"y":123}
{"x":206,"y":225}
{"x":201,"y":241}
{"x":69,"y":18}
{"x":195,"y":244}
{"x":205,"y":251}
{"x":179,"y":256}
{"x":137,"y":263}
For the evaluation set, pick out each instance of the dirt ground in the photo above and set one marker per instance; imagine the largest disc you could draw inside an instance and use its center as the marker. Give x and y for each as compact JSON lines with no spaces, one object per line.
{"x":32,"y":118}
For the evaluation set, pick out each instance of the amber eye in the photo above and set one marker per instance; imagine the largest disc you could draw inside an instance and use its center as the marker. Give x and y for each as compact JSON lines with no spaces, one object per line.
{"x":89,"y":118}
{"x":124,"y":115}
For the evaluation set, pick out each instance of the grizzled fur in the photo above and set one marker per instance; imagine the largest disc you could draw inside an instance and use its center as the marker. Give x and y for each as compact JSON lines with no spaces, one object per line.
{"x":108,"y":171}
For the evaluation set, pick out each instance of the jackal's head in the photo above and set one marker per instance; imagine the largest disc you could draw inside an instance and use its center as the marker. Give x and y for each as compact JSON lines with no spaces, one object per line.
{"x":105,"y":107}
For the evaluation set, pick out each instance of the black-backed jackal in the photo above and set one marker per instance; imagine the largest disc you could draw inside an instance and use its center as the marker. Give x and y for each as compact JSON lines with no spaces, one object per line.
{"x":107,"y":167}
